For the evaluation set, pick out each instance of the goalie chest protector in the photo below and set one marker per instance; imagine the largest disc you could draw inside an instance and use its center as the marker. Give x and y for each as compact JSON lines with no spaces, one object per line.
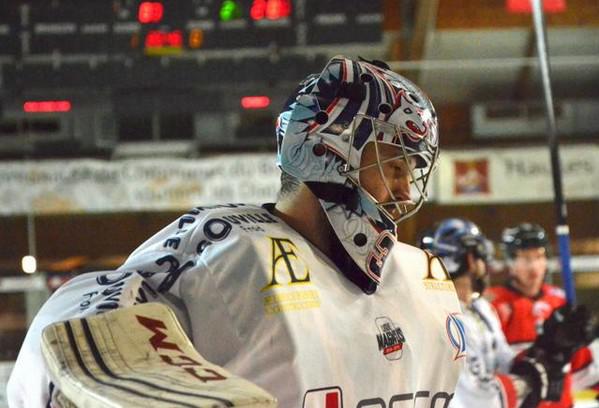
{"x":259,"y":300}
{"x":270,"y":307}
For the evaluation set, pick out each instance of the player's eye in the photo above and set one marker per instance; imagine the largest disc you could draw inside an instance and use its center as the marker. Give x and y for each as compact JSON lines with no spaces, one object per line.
{"x":399,"y":169}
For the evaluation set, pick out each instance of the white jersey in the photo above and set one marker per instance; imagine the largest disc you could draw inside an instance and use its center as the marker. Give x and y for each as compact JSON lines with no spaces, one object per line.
{"x":258,"y":299}
{"x":482,"y":384}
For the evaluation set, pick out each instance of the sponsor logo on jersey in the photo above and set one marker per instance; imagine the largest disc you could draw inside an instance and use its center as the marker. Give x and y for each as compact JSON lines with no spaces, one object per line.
{"x":250,"y":222}
{"x":214,"y":229}
{"x":424,"y":399}
{"x":456,"y":334}
{"x":330,"y":397}
{"x":109,"y":291}
{"x":172,"y":353}
{"x":289,"y":287}
{"x":255,"y":218}
{"x":436,"y":277}
{"x":390,"y":338}
{"x":541,"y":310}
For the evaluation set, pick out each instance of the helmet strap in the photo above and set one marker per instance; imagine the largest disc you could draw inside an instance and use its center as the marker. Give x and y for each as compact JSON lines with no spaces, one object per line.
{"x":334,"y":193}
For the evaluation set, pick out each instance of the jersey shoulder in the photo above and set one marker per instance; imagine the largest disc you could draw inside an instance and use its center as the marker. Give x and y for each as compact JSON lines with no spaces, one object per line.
{"x":416,"y":258}
{"x":414,"y":252}
{"x":402,"y":246}
{"x":183,"y":245}
{"x":202,"y":226}
{"x":483,"y":305}
{"x":486,"y":309}
{"x":553,"y":294}
{"x":499,"y":294}
{"x":233,"y":221}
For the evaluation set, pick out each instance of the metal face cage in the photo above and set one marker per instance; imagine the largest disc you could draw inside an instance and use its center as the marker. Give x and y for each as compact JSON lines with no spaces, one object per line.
{"x":420,"y":164}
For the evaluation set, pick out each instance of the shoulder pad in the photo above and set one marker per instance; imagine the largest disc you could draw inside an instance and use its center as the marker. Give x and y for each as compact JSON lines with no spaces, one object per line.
{"x":498,"y":293}
{"x":216,"y":223}
{"x":555,"y":291}
{"x":175,"y":248}
{"x":490,"y":295}
{"x":177,"y":235}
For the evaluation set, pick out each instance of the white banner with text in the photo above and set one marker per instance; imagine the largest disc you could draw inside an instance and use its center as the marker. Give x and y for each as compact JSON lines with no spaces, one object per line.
{"x":516,"y":175}
{"x":53,"y":187}
{"x":94,"y":186}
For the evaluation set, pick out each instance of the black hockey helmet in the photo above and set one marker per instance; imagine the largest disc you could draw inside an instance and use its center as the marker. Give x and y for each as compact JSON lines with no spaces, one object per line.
{"x":523,"y":236}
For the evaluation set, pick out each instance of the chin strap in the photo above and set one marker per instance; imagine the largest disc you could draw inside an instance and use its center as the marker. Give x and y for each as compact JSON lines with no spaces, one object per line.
{"x":335,"y":193}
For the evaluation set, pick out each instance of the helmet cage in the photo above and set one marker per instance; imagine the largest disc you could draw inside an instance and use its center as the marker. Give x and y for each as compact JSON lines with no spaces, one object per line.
{"x":420,"y":174}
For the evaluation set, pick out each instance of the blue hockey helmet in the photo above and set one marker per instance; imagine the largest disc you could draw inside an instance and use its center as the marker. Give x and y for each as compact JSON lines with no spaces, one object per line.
{"x":452,"y":240}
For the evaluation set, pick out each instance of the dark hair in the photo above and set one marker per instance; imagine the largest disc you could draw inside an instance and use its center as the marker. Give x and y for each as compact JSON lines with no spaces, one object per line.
{"x":289,"y":185}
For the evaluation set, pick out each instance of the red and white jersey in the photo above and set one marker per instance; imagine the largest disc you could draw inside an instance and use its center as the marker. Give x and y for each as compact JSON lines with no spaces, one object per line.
{"x":258,"y":299}
{"x":585,"y":367}
{"x":522,"y":318}
{"x":485,"y":381}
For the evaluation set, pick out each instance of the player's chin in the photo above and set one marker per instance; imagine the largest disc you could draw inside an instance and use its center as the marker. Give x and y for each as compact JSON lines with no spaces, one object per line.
{"x":400,"y":208}
{"x":395,"y":209}
{"x":535,"y":285}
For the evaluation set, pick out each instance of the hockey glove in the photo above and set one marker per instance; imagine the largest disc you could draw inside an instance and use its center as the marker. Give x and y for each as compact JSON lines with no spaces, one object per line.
{"x":565,"y":331}
{"x":545,"y":364}
{"x":537,"y":380}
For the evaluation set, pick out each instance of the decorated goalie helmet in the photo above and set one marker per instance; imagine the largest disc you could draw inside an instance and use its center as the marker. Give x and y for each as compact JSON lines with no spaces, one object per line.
{"x":322,"y":133}
{"x":452,"y":240}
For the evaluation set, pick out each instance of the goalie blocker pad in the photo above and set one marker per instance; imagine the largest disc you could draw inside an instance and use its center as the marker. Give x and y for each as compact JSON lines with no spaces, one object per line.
{"x":139,"y":356}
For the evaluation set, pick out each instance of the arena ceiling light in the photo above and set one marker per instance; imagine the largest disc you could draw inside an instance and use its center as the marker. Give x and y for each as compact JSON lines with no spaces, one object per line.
{"x":525,"y":6}
{"x":46,"y":106}
{"x":29,"y":264}
{"x":150,"y":12}
{"x":270,"y":9}
{"x":255,"y":102}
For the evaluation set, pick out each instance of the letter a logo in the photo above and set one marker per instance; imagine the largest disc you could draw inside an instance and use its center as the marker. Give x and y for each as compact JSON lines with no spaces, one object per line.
{"x":284,"y":253}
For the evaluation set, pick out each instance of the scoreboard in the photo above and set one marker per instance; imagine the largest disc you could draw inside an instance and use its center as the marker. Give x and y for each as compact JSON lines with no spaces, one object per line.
{"x":212,"y":71}
{"x":181,"y":27}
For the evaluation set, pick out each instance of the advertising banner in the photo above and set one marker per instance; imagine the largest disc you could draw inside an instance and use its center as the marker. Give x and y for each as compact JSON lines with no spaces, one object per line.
{"x":516,"y":175}
{"x":95,"y":186}
{"x":88,"y":186}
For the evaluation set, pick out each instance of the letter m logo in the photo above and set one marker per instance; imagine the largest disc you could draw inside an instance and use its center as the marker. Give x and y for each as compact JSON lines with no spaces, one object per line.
{"x":158,"y":328}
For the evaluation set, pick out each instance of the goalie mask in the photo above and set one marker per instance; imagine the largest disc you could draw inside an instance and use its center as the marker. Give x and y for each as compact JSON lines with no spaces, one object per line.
{"x":322,"y":133}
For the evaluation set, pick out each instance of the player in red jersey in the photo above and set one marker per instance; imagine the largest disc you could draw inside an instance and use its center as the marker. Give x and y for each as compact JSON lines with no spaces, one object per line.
{"x":525,"y":301}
